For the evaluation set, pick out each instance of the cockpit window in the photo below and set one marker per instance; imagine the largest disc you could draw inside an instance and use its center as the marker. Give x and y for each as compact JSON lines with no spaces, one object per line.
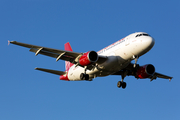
{"x":143,"y":34}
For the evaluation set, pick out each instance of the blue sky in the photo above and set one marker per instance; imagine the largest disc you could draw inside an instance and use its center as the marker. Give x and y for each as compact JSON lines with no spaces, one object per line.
{"x":27,"y":94}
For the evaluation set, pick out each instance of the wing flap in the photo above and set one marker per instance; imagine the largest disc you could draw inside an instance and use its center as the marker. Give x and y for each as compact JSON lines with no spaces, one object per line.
{"x":51,"y":71}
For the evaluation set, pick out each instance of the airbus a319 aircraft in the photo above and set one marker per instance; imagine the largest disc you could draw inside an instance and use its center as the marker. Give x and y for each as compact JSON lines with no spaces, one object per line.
{"x":112,"y":60}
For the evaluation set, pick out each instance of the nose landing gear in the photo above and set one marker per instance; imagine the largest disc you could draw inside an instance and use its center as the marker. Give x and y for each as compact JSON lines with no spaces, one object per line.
{"x":136,"y":59}
{"x":121,"y":84}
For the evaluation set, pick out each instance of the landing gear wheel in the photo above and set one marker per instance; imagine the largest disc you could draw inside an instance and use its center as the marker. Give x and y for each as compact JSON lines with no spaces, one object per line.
{"x":121,"y":84}
{"x":84,"y":76}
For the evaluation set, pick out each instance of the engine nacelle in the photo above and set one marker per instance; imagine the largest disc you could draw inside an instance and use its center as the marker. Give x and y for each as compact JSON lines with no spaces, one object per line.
{"x":88,"y":58}
{"x":145,"y":71}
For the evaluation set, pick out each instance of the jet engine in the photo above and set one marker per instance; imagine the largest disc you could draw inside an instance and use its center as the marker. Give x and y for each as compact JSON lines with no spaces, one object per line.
{"x":88,"y":58}
{"x":145,"y":71}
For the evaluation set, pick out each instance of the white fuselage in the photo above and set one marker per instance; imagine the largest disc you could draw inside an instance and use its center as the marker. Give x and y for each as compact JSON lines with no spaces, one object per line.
{"x":119,"y":55}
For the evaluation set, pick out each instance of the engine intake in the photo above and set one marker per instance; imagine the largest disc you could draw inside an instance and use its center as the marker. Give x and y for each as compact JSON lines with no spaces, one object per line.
{"x":145,"y":71}
{"x":88,"y":58}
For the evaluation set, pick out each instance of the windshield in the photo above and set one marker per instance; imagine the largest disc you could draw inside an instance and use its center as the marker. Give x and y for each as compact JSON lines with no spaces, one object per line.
{"x":143,"y":34}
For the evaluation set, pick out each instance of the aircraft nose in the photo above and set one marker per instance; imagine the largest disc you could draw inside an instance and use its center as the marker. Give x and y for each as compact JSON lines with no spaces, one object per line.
{"x":148,"y":43}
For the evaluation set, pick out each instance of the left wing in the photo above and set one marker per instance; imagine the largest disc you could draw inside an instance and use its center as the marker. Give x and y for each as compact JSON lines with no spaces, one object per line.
{"x":56,"y":53}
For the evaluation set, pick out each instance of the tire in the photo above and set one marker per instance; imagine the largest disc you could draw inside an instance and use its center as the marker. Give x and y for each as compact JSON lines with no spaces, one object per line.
{"x":119,"y":84}
{"x":82,"y":76}
{"x":86,"y":77}
{"x":124,"y":85}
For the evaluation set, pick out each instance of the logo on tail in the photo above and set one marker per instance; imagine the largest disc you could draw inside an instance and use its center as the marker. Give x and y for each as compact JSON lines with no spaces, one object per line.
{"x":67,"y":47}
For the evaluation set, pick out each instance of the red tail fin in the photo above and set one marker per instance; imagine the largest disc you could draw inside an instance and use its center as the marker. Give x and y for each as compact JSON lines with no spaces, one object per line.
{"x":67,"y":47}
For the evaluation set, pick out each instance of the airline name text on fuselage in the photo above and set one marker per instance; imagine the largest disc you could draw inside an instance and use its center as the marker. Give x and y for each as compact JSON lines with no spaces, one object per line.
{"x":111,"y":46}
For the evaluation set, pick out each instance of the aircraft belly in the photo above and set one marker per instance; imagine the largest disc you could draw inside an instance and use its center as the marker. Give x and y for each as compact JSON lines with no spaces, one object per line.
{"x":111,"y":65}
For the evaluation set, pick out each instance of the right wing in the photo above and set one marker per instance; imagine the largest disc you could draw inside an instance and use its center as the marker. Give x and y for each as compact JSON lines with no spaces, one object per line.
{"x":56,"y":53}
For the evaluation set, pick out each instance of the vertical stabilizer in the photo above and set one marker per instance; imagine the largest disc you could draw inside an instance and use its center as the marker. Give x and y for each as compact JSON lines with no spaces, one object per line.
{"x":67,"y":47}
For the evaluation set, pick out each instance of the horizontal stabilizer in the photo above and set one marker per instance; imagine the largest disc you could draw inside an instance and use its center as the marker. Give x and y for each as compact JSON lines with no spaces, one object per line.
{"x":51,"y":71}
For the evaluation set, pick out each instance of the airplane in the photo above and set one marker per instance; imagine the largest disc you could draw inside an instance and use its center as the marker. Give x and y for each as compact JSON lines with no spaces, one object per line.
{"x":116,"y":59}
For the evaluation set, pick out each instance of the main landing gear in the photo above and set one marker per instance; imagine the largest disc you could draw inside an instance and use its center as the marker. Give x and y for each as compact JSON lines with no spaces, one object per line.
{"x":121,"y":83}
{"x":84,"y":76}
{"x":125,"y":73}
